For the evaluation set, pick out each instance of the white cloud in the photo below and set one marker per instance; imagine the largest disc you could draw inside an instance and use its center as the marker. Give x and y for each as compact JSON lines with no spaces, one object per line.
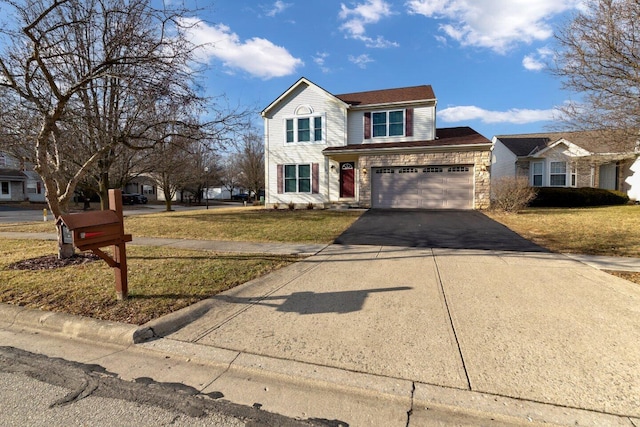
{"x":514,"y":115}
{"x":360,"y":60}
{"x":537,"y":61}
{"x":494,"y":24}
{"x":370,"y":12}
{"x":319,"y":60}
{"x":278,"y":7}
{"x":257,"y":56}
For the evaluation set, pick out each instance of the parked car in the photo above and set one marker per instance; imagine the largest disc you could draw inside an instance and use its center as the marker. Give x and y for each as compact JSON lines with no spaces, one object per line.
{"x":134,"y":198}
{"x":242,"y":197}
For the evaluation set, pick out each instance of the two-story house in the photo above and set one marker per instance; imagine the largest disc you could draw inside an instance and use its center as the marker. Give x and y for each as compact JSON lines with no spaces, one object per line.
{"x":377,"y":149}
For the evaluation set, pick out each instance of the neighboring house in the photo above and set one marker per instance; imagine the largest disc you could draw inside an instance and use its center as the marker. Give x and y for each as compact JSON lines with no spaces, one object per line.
{"x":569,"y":159}
{"x":18,"y":181}
{"x":376,"y":149}
{"x":145,"y":185}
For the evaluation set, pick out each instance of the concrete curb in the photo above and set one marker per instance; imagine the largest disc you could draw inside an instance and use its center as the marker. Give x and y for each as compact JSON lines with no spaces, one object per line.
{"x":71,"y":326}
{"x":460,"y":406}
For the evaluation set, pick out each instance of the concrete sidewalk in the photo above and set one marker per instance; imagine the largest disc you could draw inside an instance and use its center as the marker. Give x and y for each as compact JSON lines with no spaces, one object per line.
{"x":302,"y":249}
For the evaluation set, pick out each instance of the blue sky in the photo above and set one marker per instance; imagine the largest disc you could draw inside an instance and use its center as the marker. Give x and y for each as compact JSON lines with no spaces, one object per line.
{"x":484,"y":58}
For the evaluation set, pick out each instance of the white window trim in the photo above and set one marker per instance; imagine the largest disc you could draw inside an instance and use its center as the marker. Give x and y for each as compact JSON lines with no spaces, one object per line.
{"x":566,"y":174}
{"x":311,"y":118}
{"x":533,"y":174}
{"x":284,"y":178}
{"x":404,"y":123}
{"x":7,"y":195}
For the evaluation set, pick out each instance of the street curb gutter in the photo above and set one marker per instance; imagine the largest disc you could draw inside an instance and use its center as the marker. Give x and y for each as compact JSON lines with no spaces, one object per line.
{"x":71,"y":326}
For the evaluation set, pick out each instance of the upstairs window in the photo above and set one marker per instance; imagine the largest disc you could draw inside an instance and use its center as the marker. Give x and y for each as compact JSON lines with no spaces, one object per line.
{"x":304,"y":129}
{"x":387,"y":123}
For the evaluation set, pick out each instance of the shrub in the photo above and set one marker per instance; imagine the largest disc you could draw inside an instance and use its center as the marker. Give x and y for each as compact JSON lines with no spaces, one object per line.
{"x":512,"y":194}
{"x":578,"y":197}
{"x":310,"y":206}
{"x":292,"y":206}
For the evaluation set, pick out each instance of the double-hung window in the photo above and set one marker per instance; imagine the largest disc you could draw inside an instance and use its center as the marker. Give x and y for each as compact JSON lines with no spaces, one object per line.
{"x":536,"y":174}
{"x":387,"y":123}
{"x":558,"y":174}
{"x":304,"y":129}
{"x":297,"y":178}
{"x":4,"y":188}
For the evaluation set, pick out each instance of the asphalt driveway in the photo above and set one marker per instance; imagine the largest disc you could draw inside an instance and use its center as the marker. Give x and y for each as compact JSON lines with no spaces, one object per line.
{"x":451,"y":229}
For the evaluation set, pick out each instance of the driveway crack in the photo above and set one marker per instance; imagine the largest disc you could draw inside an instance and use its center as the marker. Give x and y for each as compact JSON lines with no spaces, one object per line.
{"x":455,"y":334}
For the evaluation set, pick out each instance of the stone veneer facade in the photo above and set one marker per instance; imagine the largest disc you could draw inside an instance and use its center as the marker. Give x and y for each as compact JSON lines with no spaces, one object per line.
{"x":479,"y":159}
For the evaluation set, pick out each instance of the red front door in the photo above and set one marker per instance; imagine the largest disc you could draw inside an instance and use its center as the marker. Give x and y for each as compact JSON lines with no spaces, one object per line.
{"x":347,"y":181}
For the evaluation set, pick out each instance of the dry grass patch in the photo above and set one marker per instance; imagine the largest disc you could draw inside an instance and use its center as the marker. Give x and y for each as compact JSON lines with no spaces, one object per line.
{"x":161,"y":280}
{"x":609,"y":231}
{"x":238,"y":224}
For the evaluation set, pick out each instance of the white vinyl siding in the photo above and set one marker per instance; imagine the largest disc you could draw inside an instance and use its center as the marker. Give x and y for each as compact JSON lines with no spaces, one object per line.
{"x":423,"y":127}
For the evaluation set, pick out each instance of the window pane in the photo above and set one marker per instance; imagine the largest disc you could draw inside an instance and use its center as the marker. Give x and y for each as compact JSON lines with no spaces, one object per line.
{"x":379,"y":124}
{"x":5,"y":187}
{"x":317,"y":129}
{"x":537,"y":180}
{"x":290,"y":130}
{"x":558,"y":167}
{"x":304,"y":171}
{"x":304,"y":132}
{"x":558,"y":180}
{"x":304,"y":185}
{"x":289,"y":171}
{"x":396,"y":123}
{"x":290,"y":185}
{"x":537,"y":168}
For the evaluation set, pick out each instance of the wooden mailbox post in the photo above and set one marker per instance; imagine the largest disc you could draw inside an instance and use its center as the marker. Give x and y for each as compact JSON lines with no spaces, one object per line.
{"x":95,"y":230}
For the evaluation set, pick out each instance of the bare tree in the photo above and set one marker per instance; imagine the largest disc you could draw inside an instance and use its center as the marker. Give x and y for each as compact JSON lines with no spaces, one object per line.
{"x":70,"y":61}
{"x":230,"y":173}
{"x":250,"y":162}
{"x":598,"y":57}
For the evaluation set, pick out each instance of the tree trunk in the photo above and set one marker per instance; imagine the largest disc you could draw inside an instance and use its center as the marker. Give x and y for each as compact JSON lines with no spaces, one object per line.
{"x":103,"y":190}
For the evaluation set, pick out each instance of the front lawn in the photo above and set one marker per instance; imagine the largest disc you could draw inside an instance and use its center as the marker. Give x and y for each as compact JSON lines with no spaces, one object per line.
{"x":241,"y":224}
{"x":161,"y":280}
{"x":609,"y":230}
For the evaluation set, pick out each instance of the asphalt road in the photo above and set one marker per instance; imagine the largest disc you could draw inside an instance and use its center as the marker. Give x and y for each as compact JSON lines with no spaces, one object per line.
{"x":63,"y":393}
{"x":12,"y":214}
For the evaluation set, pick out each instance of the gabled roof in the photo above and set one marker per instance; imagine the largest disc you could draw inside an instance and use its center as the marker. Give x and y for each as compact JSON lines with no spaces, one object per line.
{"x":446,"y":137}
{"x":369,"y":98}
{"x":389,"y":96}
{"x":293,"y":87}
{"x":592,"y":141}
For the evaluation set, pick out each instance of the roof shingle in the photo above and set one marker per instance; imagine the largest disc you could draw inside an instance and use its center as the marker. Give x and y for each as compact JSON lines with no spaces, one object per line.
{"x":389,"y":96}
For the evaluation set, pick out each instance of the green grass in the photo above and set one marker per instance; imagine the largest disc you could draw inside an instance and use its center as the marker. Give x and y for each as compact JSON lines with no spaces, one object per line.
{"x":161,"y":280}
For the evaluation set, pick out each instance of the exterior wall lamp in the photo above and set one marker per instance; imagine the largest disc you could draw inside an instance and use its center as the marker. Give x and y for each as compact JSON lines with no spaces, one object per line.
{"x":364,"y":171}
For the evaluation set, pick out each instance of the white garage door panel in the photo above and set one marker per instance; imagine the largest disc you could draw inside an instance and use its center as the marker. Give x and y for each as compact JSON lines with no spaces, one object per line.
{"x":432,"y":187}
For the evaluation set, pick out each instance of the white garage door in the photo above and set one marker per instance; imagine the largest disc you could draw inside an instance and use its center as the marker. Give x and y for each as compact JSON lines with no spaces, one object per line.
{"x":424,"y":187}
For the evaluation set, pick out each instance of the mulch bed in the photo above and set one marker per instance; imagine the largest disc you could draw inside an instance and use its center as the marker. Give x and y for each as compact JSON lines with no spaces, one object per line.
{"x":49,"y":262}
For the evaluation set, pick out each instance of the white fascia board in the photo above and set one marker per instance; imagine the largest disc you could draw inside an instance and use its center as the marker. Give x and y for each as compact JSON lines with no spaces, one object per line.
{"x":574,"y":150}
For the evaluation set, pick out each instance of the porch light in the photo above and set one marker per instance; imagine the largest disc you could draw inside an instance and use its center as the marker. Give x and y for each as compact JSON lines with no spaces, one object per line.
{"x":364,"y":171}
